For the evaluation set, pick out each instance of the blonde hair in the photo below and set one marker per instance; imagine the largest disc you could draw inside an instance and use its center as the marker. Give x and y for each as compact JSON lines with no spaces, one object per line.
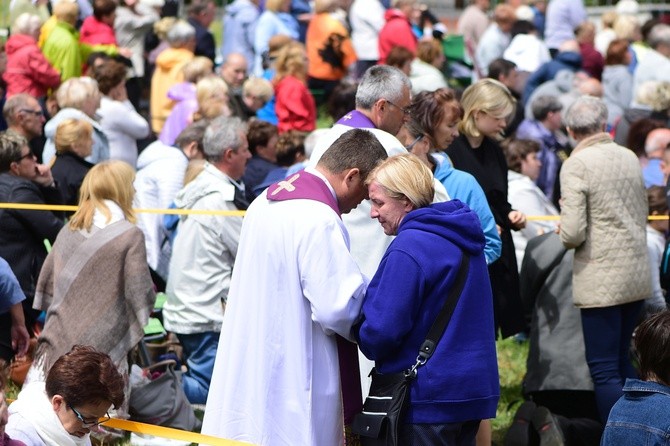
{"x":258,"y":88}
{"x":69,"y":132}
{"x":193,"y":170}
{"x":75,"y":91}
{"x":66,"y":11}
{"x":162,"y":26}
{"x":273,"y":5}
{"x":324,"y":6}
{"x":488,"y":96}
{"x":626,"y":27}
{"x":197,"y":68}
{"x":291,"y":61}
{"x":405,"y":177}
{"x":212,"y":95}
{"x":108,"y":180}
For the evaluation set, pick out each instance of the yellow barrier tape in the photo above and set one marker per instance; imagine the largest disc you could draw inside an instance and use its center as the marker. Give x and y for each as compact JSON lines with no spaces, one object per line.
{"x":166,"y":432}
{"x":57,"y":207}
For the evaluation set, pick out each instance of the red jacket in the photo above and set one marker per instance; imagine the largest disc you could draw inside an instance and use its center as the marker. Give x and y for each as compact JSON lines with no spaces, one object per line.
{"x":295,"y":106}
{"x":396,"y":32}
{"x":28,"y":71}
{"x":95,"y":32}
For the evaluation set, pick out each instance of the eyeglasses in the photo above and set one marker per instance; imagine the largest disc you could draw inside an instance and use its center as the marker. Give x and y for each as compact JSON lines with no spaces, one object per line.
{"x":27,"y":155}
{"x":36,"y":113}
{"x":89,"y":423}
{"x":415,"y":142}
{"x":404,"y":110}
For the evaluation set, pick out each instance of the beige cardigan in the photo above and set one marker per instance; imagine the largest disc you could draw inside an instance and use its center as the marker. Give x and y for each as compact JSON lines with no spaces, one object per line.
{"x":603,"y":217}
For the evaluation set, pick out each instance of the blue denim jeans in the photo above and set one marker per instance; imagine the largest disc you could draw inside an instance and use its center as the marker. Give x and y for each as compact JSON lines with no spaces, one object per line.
{"x":199,"y":353}
{"x":640,"y":417}
{"x":607,"y":335}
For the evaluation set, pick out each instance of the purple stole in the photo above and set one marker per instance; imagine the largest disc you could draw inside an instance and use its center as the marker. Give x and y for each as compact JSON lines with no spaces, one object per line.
{"x":356,"y":120}
{"x":304,"y":185}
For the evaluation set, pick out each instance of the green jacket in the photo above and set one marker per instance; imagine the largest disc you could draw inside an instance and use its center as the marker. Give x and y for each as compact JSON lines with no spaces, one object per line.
{"x":60,"y":49}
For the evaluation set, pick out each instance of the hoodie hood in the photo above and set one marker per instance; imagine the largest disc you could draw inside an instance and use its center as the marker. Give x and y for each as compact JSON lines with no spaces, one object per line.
{"x":235,"y":7}
{"x":393,"y":14}
{"x":452,"y":220}
{"x":67,"y":113}
{"x":182,"y":91}
{"x":564,"y":80}
{"x":17,"y":42}
{"x":570,"y":58}
{"x":157,"y":151}
{"x":172,"y":57}
{"x":443,"y":166}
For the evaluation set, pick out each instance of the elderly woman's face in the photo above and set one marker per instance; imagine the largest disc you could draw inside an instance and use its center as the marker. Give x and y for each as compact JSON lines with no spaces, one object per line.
{"x":79,"y":420}
{"x":388,"y":211}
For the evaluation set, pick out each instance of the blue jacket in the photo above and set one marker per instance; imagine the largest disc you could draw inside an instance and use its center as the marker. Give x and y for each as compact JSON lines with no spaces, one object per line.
{"x":460,"y":381}
{"x":641,"y":417}
{"x":568,"y":60}
{"x":465,"y":187}
{"x":239,"y":29}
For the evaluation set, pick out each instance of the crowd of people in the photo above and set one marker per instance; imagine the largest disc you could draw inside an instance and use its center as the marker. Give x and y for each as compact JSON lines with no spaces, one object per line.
{"x":352,"y":236}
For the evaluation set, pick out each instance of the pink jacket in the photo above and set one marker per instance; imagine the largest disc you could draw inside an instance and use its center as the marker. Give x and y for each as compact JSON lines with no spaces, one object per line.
{"x":28,"y":71}
{"x":396,"y":32}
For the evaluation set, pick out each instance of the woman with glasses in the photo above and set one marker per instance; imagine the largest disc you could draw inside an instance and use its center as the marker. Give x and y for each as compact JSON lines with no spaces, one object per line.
{"x":487,"y":105}
{"x":432,"y":127}
{"x":22,"y":232}
{"x":80,"y":389}
{"x":97,"y":268}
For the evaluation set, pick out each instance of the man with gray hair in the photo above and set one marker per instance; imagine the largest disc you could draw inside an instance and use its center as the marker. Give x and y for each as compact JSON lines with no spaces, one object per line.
{"x":382,"y":99}
{"x":544,"y":129}
{"x":204,"y":252}
{"x":655,"y":147}
{"x":655,"y":65}
{"x":603,"y":218}
{"x":24,"y":116}
{"x":169,"y":64}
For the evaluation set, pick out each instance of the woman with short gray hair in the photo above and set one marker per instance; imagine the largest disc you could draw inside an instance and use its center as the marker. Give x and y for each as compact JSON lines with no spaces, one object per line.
{"x":78,"y":98}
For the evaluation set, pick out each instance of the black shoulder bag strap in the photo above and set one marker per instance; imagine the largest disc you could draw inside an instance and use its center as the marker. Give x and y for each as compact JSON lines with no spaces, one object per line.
{"x":440,"y":325}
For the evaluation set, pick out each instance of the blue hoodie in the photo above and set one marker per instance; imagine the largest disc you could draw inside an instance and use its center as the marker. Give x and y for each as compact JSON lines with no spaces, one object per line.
{"x":460,"y":381}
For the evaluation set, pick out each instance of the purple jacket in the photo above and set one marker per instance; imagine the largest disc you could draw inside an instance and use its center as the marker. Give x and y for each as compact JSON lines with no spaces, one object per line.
{"x":180,"y":116}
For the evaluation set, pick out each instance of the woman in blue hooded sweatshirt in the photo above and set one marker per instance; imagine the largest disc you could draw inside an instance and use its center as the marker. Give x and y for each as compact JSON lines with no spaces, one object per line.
{"x":458,"y":386}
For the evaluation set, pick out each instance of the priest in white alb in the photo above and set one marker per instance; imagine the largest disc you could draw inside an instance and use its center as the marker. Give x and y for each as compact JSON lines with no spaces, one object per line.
{"x":286,"y":372}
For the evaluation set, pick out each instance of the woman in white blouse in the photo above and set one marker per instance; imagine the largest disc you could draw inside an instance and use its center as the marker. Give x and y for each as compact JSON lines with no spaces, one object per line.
{"x":118,"y":118}
{"x":524,"y":195}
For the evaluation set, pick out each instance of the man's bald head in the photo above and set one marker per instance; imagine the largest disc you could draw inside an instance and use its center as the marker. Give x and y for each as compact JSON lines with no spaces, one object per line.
{"x":656,"y":143}
{"x":234,"y":70}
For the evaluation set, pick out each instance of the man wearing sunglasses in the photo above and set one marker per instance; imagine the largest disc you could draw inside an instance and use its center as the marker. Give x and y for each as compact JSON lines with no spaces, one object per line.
{"x":24,"y":117}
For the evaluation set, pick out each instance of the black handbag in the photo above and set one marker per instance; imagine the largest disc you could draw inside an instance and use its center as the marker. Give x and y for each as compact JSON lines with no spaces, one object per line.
{"x":385,"y":407}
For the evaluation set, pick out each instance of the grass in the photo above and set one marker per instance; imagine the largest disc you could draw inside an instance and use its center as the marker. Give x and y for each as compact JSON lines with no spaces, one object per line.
{"x":511,"y":366}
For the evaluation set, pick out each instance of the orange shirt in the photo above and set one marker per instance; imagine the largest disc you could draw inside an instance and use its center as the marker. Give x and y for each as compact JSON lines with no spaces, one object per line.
{"x":320,"y":29}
